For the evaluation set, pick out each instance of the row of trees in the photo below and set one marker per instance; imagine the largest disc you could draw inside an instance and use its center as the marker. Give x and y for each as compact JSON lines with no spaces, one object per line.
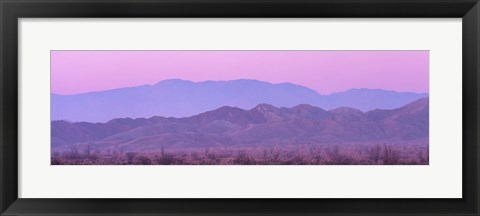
{"x":315,"y":154}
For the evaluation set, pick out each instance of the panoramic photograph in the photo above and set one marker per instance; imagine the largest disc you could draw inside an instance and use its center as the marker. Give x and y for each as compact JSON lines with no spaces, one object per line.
{"x":239,"y":107}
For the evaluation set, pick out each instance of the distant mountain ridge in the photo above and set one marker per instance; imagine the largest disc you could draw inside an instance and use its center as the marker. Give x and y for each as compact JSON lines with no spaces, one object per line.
{"x":262,"y":125}
{"x":181,"y":98}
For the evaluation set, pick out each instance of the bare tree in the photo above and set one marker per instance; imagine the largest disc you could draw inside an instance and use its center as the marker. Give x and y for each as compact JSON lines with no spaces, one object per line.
{"x":275,"y":153}
{"x":334,"y":154}
{"x":265,"y":154}
{"x":316,"y":153}
{"x":374,"y":153}
{"x":130,"y":157}
{"x":243,"y":158}
{"x":87,"y":151}
{"x":73,"y":154}
{"x":423,"y":158}
{"x":390,"y":155}
{"x":207,"y":150}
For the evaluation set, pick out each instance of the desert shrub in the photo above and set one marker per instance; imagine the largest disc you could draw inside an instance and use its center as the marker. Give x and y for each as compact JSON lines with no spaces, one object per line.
{"x":265,"y":154}
{"x":183,"y":154}
{"x":408,"y":162}
{"x":213,"y":158}
{"x":275,"y":153}
{"x":285,"y":154}
{"x":242,"y":158}
{"x":144,"y":160}
{"x":315,"y":153}
{"x":162,"y":150}
{"x":296,"y":160}
{"x":165,"y":159}
{"x":334,"y":154}
{"x":130,"y":156}
{"x":56,"y":161}
{"x":94,"y":157}
{"x":346,"y":160}
{"x":87,"y":151}
{"x":423,"y":157}
{"x":195,"y":156}
{"x":427,"y":157}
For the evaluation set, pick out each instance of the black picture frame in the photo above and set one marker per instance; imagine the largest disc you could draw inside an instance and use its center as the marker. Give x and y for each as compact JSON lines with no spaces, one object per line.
{"x":12,"y":10}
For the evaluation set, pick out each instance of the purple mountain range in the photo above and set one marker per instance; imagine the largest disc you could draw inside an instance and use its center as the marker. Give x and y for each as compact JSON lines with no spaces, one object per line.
{"x":262,"y":125}
{"x":180,"y":98}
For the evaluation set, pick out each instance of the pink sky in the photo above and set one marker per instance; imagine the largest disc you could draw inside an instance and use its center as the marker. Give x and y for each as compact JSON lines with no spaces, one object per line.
{"x":326,"y":72}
